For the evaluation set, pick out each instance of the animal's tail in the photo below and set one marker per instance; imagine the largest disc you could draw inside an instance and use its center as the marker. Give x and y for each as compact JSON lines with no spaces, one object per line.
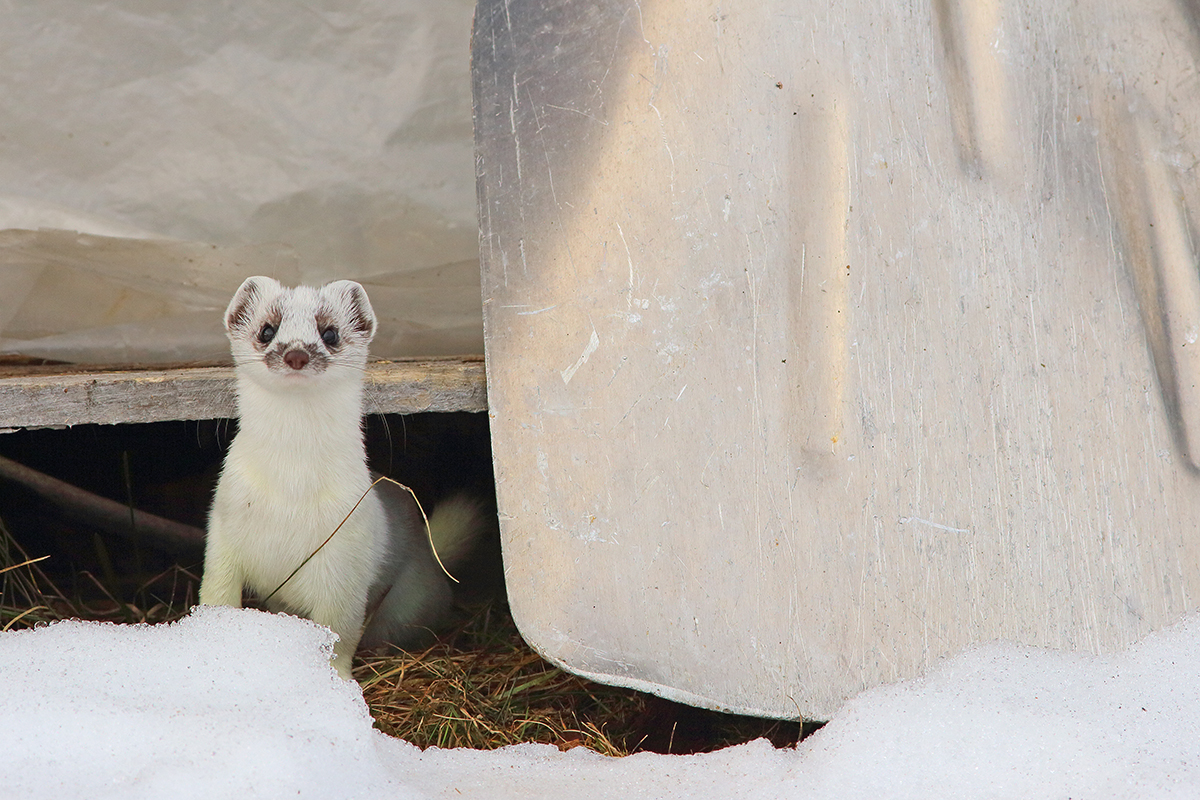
{"x":456,"y":525}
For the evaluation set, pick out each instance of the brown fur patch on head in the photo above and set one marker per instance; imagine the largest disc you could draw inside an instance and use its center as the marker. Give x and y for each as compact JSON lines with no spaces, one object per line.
{"x":274,"y":314}
{"x":272,"y":317}
{"x":325,"y":320}
{"x":273,"y":357}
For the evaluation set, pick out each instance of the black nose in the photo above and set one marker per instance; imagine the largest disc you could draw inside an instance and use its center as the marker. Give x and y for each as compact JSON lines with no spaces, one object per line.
{"x":296,"y":359}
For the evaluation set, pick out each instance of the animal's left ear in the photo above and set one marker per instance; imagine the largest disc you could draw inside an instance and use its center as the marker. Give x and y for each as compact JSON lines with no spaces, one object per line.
{"x":352,"y":298}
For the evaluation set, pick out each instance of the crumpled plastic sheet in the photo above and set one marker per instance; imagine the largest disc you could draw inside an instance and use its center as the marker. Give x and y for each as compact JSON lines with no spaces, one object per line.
{"x":155,"y":154}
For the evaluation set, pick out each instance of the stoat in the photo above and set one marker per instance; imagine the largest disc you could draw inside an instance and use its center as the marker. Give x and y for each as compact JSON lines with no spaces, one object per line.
{"x":298,"y":465}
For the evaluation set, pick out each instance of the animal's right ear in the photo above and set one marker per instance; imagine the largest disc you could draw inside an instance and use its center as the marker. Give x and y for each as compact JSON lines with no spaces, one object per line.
{"x":249,"y":294}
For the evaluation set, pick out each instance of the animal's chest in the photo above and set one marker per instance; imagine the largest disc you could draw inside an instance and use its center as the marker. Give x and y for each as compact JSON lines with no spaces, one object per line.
{"x":280,"y":519}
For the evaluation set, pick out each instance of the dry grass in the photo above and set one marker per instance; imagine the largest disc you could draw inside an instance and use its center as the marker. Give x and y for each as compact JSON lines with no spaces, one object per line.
{"x":482,"y":687}
{"x":29,"y":597}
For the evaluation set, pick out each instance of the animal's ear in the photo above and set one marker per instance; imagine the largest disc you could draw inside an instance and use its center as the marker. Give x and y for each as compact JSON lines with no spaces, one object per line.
{"x":351,"y":297}
{"x":249,"y":294}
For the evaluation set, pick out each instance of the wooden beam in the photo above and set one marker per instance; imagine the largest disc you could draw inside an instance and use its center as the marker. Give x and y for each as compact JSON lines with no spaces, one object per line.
{"x":74,"y":396}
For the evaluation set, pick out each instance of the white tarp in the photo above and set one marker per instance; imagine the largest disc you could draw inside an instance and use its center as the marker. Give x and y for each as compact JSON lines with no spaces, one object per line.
{"x":197,"y":144}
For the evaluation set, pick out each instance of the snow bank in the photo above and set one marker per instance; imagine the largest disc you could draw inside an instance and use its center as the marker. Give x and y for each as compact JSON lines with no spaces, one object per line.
{"x":223,"y":703}
{"x":237,"y":702}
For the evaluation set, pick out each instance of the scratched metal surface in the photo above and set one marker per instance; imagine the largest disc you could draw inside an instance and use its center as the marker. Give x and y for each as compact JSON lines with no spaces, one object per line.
{"x":825,"y":339}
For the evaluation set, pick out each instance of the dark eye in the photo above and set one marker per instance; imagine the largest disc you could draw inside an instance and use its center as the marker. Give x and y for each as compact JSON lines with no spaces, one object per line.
{"x":330,"y":337}
{"x":266,"y":334}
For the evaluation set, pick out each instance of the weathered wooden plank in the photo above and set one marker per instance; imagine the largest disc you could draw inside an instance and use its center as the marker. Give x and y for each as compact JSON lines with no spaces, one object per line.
{"x":410,"y":387}
{"x":155,"y":395}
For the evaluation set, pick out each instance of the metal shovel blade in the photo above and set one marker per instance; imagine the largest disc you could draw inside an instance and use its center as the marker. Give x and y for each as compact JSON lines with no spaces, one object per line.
{"x":827,"y":339}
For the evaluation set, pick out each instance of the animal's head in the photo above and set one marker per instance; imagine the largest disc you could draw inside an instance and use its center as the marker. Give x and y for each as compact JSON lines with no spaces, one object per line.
{"x":276,"y":333}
